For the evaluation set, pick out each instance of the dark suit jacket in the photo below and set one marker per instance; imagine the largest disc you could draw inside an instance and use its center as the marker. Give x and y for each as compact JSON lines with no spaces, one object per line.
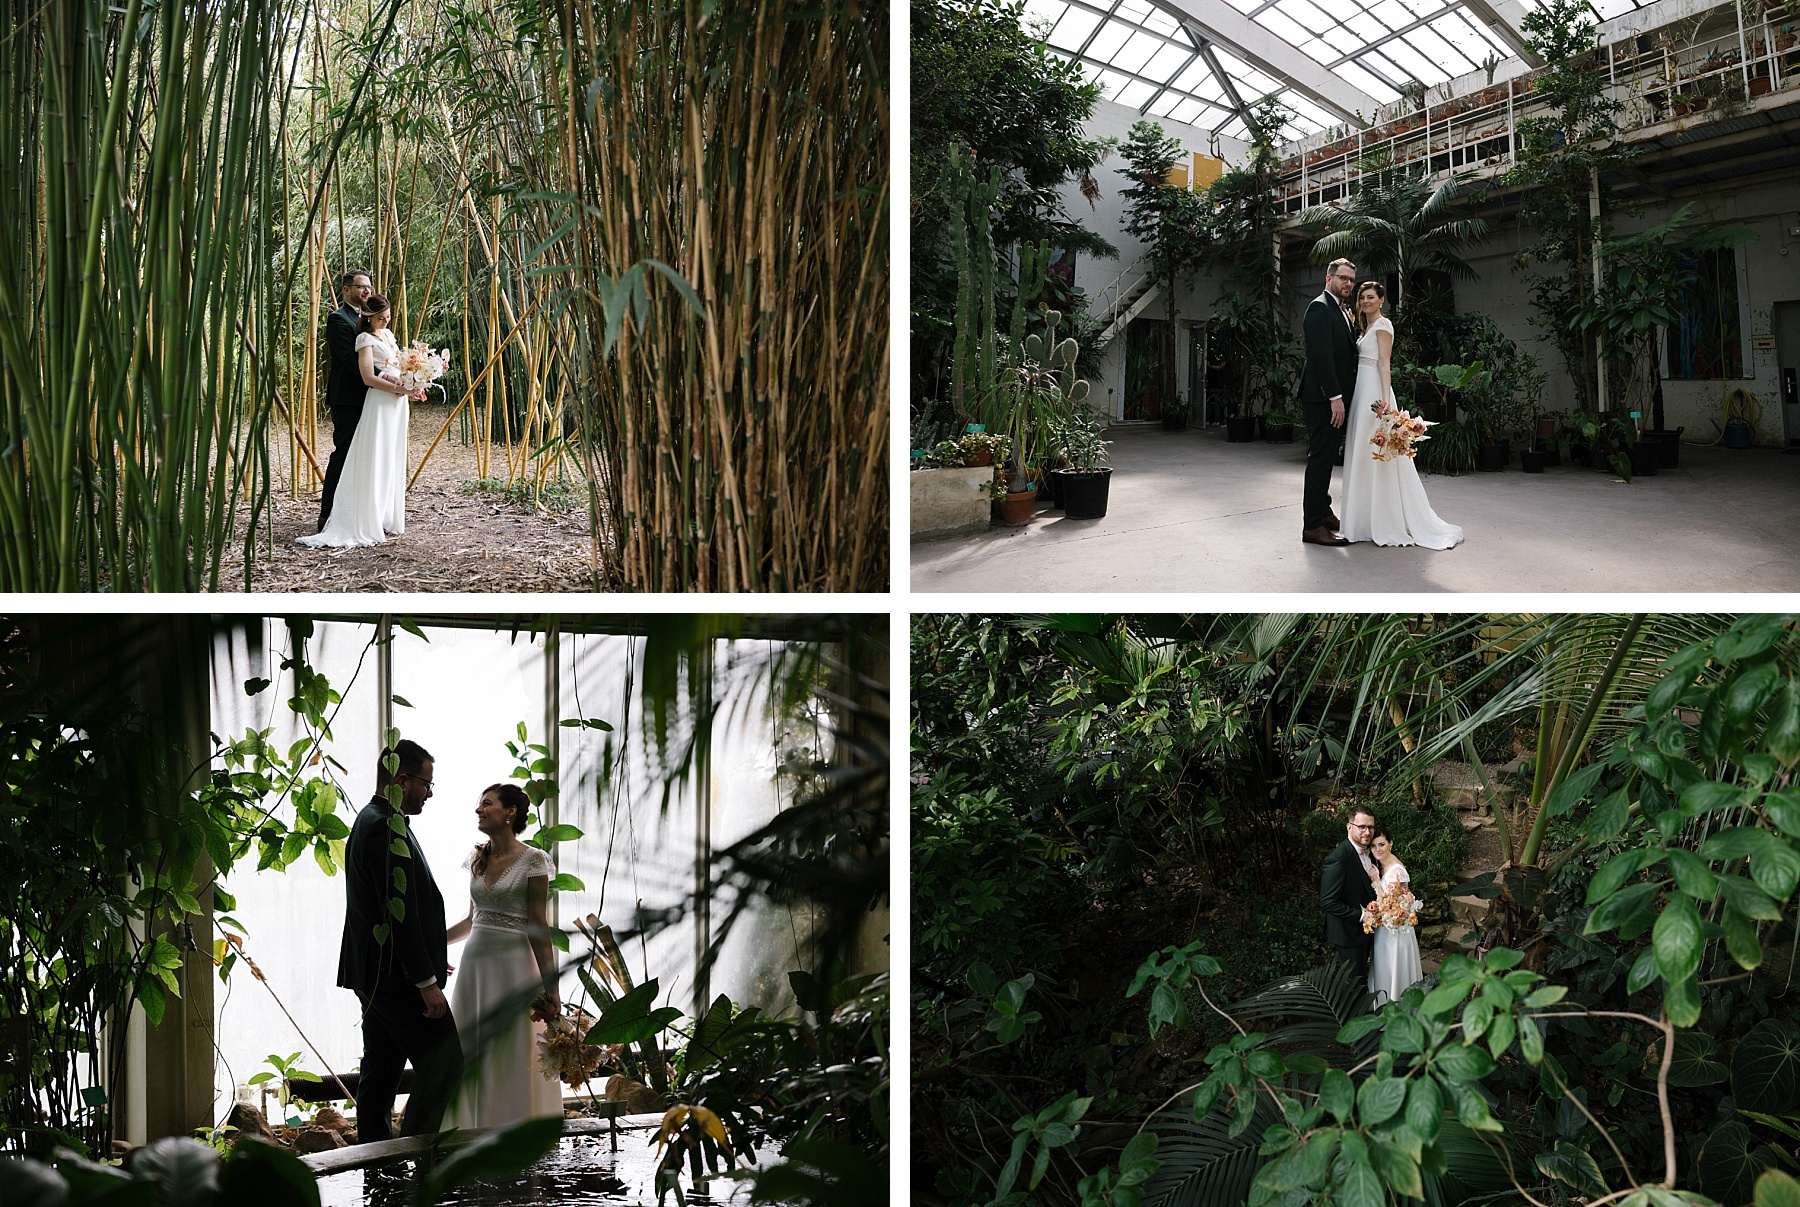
{"x":1330,"y":369}
{"x":415,"y":947}
{"x":343,"y":384}
{"x":1343,"y":891}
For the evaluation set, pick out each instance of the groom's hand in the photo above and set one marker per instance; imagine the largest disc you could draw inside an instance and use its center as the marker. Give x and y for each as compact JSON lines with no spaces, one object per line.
{"x":1337,"y":412}
{"x":435,"y":1005}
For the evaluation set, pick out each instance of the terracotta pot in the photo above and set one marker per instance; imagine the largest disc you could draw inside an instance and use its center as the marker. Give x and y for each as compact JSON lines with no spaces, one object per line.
{"x":1760,"y":85}
{"x":1017,"y":506}
{"x":985,"y":457}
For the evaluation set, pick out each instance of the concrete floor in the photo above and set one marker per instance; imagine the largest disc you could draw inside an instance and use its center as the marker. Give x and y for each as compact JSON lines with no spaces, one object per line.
{"x":1190,"y":512}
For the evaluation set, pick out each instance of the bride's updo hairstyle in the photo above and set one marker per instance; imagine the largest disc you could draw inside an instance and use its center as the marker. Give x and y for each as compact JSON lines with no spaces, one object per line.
{"x":514,"y":798}
{"x":1362,"y":320}
{"x":1382,"y":832}
{"x":374,"y":306}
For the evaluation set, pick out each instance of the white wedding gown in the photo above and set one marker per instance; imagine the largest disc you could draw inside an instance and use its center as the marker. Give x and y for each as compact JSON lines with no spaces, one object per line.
{"x":1395,"y":965}
{"x":498,"y":962}
{"x":1384,"y":501}
{"x":371,"y":493}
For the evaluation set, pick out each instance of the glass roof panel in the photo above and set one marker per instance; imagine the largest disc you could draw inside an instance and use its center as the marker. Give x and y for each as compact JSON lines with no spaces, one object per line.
{"x":1306,"y":15}
{"x":1135,"y":92}
{"x":1106,"y":41}
{"x":1167,"y":60}
{"x":1074,"y":27}
{"x":1354,"y":74}
{"x":1285,"y":27}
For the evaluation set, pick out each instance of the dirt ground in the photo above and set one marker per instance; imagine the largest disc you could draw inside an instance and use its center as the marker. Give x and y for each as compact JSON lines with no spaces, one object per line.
{"x":453,"y":541}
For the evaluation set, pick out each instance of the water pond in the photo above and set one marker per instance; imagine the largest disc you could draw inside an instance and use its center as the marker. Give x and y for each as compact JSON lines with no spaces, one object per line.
{"x":581,"y":1170}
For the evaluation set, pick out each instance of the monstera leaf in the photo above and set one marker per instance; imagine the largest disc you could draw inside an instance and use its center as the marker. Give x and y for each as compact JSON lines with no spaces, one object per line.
{"x":1765,"y":1069}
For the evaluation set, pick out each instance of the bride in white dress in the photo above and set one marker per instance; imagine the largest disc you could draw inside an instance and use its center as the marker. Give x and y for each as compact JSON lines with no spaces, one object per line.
{"x":508,"y":888}
{"x":1384,"y":501}
{"x":1395,"y":965}
{"x":370,"y":502}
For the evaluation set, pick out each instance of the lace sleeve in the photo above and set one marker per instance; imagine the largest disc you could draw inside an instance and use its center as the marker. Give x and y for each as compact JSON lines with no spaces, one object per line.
{"x":540,"y":864}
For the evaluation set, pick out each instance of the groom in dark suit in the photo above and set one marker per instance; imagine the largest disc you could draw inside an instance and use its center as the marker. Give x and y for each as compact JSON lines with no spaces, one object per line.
{"x":397,"y":965}
{"x":1326,"y":381}
{"x":344,"y":390}
{"x":1345,"y":888}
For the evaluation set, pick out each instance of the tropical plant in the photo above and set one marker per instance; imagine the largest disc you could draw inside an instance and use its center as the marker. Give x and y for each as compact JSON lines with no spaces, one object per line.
{"x":1644,"y":278}
{"x":1397,"y":223}
{"x":1169,"y":219}
{"x":1565,"y":153}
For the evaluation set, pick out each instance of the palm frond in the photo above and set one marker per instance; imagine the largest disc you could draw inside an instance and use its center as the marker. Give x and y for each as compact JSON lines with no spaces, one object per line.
{"x":1203,"y":1166}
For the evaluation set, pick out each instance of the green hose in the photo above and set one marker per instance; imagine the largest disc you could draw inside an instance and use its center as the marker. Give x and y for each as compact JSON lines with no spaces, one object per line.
{"x":1739,"y":403}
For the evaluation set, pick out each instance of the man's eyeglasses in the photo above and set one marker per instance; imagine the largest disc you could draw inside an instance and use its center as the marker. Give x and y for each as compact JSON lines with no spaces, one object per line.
{"x":1356,"y":826}
{"x":415,"y":779}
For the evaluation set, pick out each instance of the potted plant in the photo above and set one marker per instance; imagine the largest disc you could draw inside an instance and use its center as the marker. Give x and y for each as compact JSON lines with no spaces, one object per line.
{"x":1086,"y":479}
{"x":1279,"y":424}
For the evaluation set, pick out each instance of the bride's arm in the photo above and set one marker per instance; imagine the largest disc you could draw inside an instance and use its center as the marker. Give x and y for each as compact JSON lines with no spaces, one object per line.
{"x":459,"y":932}
{"x":537,"y":895}
{"x":1384,"y":343}
{"x":365,"y":361}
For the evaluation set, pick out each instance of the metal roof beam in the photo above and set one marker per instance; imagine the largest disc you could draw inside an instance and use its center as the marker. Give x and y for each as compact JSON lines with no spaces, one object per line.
{"x":1261,"y":48}
{"x":1504,"y":20}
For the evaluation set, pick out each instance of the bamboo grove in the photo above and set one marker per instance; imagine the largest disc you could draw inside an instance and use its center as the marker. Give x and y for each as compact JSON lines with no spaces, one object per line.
{"x":653,"y":234}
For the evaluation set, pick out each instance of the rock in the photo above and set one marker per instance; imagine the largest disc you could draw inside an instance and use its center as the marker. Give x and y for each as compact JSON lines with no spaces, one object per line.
{"x":249,"y":1122}
{"x":639,"y":1099}
{"x":331,"y":1117}
{"x":316,"y":1139}
{"x":1430,"y":936}
{"x":1468,"y":910}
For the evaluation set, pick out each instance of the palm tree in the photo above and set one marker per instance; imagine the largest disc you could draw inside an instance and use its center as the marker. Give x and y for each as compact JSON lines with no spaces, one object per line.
{"x":1397,"y":224}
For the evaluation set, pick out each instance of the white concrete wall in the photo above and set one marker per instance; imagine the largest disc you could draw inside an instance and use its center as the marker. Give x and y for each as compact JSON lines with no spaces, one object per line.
{"x":1105,"y":217}
{"x":1771,"y":274}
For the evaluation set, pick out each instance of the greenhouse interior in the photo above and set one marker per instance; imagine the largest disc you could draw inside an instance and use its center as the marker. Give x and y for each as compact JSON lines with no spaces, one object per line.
{"x":708,"y":794}
{"x":1583,"y":217}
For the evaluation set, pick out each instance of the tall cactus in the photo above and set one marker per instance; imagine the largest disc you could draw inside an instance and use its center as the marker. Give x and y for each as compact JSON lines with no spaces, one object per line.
{"x":972,"y":241}
{"x":1034,"y":264}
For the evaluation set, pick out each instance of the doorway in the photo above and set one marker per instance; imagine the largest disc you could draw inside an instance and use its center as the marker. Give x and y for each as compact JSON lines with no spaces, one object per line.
{"x":1149,"y":369}
{"x":1786,"y":321}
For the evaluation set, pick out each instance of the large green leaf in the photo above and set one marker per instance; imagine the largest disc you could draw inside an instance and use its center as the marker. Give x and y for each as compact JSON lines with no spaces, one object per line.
{"x":1573,"y":1167}
{"x":1765,"y":1068}
{"x":268,"y":1176}
{"x":1678,"y":939}
{"x":186,"y":1172}
{"x":1696,"y":1061}
{"x":499,"y":1154}
{"x":631,"y":1018}
{"x":1203,"y":1165}
{"x":1730,"y":1162}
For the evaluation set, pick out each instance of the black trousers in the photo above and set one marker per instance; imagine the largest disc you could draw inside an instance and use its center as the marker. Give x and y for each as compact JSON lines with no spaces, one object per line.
{"x":1322,"y":442}
{"x":1357,"y":957}
{"x":343,"y":431}
{"x":395,"y":1031}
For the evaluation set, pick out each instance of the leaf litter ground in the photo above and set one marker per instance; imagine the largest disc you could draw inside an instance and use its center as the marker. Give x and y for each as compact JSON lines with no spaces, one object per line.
{"x":453,"y":541}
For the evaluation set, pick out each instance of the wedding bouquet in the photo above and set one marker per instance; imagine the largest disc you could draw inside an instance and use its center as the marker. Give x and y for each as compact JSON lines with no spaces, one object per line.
{"x":1394,"y":908}
{"x":420,"y":367}
{"x":1397,"y":432}
{"x":563,"y":1055}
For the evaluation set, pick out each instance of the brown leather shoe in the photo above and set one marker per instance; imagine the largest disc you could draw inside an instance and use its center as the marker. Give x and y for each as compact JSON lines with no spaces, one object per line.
{"x":1331,"y":521}
{"x":1322,"y":536}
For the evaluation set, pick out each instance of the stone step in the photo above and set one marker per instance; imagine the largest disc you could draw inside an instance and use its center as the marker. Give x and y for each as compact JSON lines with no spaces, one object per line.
{"x":1468,"y":910}
{"x":1483,"y":821}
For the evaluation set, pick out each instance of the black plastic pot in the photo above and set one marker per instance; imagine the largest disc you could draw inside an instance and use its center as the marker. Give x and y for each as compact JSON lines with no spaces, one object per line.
{"x":1056,"y":499}
{"x":1240,"y":429}
{"x":1279,"y":433}
{"x":1084,"y":491}
{"x":1644,"y":458}
{"x":1531,"y":460}
{"x":1492,"y":457}
{"x":1583,"y":455}
{"x":1175,"y":419}
{"x":1668,"y":445}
